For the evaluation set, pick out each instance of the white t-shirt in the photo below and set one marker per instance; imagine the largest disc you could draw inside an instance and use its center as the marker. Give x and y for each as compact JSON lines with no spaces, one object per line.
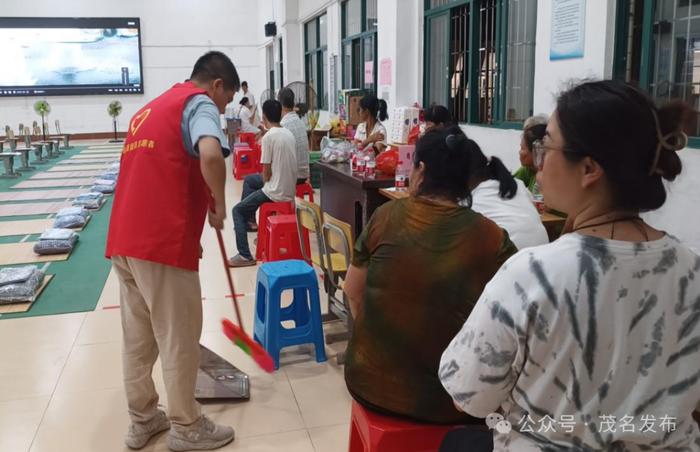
{"x":279,"y":149}
{"x":361,"y":132}
{"x":580,"y":330}
{"x":518,"y":216}
{"x":246,"y":126}
{"x":250,"y":97}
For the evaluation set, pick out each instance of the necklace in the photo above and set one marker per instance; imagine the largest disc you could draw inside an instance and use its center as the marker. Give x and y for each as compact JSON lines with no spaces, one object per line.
{"x":634,"y":219}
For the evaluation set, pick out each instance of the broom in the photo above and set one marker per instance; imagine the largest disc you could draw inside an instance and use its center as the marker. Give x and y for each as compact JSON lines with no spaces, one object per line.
{"x":236,"y":333}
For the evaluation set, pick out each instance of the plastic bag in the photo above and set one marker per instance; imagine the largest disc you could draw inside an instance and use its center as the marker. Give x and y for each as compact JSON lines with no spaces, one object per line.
{"x":68,"y":211}
{"x":22,"y":291}
{"x":14,"y":275}
{"x":335,"y":151}
{"x":109,"y":176}
{"x":92,"y":200}
{"x":57,"y":234}
{"x":105,"y":182}
{"x":387,"y":161}
{"x":47,"y":247}
{"x":103,"y":188}
{"x":69,"y":221}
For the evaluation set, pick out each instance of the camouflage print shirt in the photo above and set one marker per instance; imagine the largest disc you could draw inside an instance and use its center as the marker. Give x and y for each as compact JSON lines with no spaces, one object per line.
{"x":585,"y":344}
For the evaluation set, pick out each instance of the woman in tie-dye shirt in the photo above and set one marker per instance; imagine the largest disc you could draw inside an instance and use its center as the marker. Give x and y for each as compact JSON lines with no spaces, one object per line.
{"x":592,"y":342}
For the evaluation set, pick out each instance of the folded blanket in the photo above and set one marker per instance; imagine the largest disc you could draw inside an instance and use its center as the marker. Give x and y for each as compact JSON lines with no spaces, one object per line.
{"x":105,"y":182}
{"x":103,"y":188}
{"x":69,"y":221}
{"x":47,"y":247}
{"x":22,"y":291}
{"x":14,"y":275}
{"x":58,"y":234}
{"x":66,"y":211}
{"x":92,"y":200}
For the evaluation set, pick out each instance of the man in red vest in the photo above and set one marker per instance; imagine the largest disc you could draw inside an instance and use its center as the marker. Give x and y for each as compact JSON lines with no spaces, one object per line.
{"x":172,"y":175}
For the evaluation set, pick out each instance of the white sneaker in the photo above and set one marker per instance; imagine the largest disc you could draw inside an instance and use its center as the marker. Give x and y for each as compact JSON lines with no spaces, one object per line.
{"x":141,"y":432}
{"x":201,"y":435}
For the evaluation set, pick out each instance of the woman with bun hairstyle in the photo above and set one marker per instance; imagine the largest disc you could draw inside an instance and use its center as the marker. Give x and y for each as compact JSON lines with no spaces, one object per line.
{"x":371,"y":131}
{"x":600,"y":328}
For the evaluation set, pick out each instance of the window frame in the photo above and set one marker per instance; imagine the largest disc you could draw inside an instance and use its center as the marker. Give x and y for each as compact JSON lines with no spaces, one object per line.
{"x":350,"y":40}
{"x":317,"y":52}
{"x":473,"y":70}
{"x":645,"y":65}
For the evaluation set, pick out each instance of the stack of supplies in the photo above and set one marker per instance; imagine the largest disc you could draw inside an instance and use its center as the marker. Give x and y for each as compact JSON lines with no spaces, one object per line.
{"x":91,"y":200}
{"x":71,"y":217}
{"x":19,"y":284}
{"x":56,"y":241}
{"x":104,"y":186}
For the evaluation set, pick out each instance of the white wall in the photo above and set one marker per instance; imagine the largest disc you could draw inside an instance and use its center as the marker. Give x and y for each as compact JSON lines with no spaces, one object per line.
{"x":551,"y":77}
{"x":174,"y":34}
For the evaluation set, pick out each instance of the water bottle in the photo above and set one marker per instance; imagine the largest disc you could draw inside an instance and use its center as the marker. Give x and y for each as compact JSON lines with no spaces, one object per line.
{"x":401,"y":178}
{"x":538,"y":199}
{"x":370,"y":165}
{"x":361,"y":162}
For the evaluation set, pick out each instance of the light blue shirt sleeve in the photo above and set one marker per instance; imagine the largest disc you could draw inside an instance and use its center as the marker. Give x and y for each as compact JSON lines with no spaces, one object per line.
{"x":200,"y":118}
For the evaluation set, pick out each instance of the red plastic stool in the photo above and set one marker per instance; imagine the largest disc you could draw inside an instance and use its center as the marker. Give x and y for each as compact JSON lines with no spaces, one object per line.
{"x":257,"y":155}
{"x":267,"y":210}
{"x":283,"y":239}
{"x":247,"y":137}
{"x":372,"y":432}
{"x":243,"y":163}
{"x":305,"y":189}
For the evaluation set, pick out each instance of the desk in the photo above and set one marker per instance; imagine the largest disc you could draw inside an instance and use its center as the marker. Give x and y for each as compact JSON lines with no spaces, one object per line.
{"x":552,"y":223}
{"x":351,"y":197}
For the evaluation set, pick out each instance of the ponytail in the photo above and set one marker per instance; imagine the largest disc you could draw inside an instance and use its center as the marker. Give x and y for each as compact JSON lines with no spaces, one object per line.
{"x":507,"y":185}
{"x":382,"y":115}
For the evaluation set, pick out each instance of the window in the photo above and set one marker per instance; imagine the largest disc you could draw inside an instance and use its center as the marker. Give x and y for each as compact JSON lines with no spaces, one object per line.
{"x":270,"y":58}
{"x":359,"y":46}
{"x":316,"y":45}
{"x":480,"y":58}
{"x":658,"y":49}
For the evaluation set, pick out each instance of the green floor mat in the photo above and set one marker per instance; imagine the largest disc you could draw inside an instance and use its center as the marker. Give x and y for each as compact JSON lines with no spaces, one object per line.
{"x":78,"y":282}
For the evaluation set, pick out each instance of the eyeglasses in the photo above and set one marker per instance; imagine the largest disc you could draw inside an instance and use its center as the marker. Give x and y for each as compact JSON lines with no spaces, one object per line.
{"x":539,"y":150}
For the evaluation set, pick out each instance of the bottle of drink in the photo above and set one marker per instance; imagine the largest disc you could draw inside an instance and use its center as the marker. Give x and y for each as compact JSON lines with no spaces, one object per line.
{"x":401,"y":178}
{"x":538,"y":198}
{"x":370,"y":165}
{"x":361,"y":162}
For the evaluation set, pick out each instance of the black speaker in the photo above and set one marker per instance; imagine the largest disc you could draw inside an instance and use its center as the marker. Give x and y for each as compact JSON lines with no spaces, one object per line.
{"x":270,"y":29}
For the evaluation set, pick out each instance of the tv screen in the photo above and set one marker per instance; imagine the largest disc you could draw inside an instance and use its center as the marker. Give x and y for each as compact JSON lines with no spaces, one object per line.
{"x":70,"y":56}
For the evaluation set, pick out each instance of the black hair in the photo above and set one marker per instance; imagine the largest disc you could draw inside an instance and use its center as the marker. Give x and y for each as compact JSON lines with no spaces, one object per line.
{"x":534,"y":133}
{"x":438,"y":114}
{"x":286,"y":97}
{"x":272,"y":110}
{"x":615,"y":124}
{"x":244,"y":101}
{"x":213,"y":65}
{"x":447,"y":164}
{"x":301,"y":109}
{"x":244,"y":84}
{"x":483,"y":168}
{"x":375,"y":107}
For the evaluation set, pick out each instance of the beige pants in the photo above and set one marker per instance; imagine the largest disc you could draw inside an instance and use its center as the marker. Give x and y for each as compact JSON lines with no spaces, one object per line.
{"x":161,"y":308}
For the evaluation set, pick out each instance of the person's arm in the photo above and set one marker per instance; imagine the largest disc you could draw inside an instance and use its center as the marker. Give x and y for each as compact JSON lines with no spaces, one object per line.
{"x":267,"y":172}
{"x":354,"y":287}
{"x":213,"y":167}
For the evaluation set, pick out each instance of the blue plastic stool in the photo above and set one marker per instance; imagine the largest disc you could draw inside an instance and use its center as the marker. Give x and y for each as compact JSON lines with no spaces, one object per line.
{"x":305,"y":310}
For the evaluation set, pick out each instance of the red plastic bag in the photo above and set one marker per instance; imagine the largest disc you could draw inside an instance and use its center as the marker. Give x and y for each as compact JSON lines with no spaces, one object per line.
{"x":414,"y":134}
{"x":387,"y":161}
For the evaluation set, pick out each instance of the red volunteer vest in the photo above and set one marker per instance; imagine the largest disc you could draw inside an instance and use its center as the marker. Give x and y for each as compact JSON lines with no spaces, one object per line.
{"x":161,"y":199}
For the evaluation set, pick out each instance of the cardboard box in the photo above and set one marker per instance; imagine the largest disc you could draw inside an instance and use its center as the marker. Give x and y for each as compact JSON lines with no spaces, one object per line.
{"x":402,"y":121}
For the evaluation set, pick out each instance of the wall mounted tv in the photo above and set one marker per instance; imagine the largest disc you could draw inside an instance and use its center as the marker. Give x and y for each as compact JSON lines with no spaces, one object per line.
{"x":44,"y":56}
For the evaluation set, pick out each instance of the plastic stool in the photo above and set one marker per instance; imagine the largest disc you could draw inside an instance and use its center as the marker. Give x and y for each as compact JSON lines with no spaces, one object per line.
{"x":267,"y":210}
{"x":243,"y":163}
{"x":247,"y":137}
{"x":305,"y":189}
{"x":372,"y":432}
{"x":257,"y":155}
{"x":305,"y":310}
{"x":283,"y":239}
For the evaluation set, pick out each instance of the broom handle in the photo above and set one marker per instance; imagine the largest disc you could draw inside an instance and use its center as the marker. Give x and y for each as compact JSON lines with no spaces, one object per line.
{"x":228,"y":276}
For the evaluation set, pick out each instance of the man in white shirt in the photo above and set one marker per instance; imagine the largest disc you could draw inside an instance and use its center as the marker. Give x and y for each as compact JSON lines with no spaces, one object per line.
{"x":291,"y":122}
{"x":279,"y":176}
{"x":248,"y":94}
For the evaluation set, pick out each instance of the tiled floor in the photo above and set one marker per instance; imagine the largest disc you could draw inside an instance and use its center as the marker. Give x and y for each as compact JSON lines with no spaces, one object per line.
{"x":60,"y":377}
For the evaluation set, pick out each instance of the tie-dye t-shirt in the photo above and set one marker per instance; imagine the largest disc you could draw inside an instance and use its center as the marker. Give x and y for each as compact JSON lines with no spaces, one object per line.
{"x":585,"y":344}
{"x":427,"y":265}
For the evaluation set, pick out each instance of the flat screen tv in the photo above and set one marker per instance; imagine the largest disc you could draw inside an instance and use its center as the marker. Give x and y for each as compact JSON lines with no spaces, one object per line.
{"x":44,"y":56}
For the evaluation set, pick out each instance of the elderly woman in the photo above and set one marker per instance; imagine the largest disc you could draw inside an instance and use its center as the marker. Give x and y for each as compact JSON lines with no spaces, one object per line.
{"x":596,"y":335}
{"x":533,"y":130}
{"x":418,"y":267}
